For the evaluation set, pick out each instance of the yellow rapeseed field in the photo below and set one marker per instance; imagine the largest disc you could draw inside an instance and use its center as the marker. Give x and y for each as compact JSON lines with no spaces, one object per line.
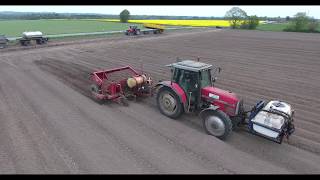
{"x":199,"y":23}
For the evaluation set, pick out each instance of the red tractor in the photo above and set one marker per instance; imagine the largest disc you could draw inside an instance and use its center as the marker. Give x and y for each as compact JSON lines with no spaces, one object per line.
{"x":133,"y":30}
{"x":191,"y":89}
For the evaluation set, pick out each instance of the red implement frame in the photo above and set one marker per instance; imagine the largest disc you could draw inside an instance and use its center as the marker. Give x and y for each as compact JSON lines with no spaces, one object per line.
{"x":113,"y":90}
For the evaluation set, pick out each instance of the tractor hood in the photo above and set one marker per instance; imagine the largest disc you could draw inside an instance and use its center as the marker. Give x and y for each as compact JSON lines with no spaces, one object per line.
{"x":226,"y":100}
{"x":219,"y":94}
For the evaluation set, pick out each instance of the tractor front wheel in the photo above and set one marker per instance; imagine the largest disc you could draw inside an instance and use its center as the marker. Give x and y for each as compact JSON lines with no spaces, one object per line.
{"x":217,"y":123}
{"x":168,"y":103}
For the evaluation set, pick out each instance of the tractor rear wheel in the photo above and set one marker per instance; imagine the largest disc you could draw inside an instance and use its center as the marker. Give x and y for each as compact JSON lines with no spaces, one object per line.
{"x":94,"y":89}
{"x":169,"y":103}
{"x":217,"y":123}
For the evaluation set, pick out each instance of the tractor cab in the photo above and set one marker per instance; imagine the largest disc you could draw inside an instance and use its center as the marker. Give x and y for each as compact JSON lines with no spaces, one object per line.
{"x":132,"y":27}
{"x":192,"y":76}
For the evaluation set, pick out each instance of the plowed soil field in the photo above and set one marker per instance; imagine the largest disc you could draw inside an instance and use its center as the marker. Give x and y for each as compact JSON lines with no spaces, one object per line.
{"x":49,"y":123}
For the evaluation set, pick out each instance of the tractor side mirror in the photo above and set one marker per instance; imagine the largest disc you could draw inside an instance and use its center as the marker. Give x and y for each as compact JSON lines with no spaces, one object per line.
{"x":214,"y":79}
{"x":218,"y":69}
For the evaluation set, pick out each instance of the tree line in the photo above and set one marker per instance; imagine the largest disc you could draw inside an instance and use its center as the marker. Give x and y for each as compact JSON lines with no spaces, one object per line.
{"x":302,"y":23}
{"x":299,"y":23}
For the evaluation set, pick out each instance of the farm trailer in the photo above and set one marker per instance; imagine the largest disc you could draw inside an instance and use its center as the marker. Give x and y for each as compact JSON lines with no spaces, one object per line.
{"x":37,"y":36}
{"x":108,"y":85}
{"x":153,"y":28}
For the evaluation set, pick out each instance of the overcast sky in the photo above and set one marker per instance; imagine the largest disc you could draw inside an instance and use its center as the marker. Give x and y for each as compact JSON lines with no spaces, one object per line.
{"x":218,"y":11}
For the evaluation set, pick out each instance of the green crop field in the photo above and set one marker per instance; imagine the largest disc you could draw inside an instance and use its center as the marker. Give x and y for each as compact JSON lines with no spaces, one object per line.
{"x":14,"y":28}
{"x":274,"y":27}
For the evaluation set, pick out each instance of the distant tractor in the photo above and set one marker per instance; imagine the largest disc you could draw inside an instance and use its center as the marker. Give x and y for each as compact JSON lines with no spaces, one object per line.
{"x":151,"y":28}
{"x":37,"y":36}
{"x":3,"y":41}
{"x":133,"y":30}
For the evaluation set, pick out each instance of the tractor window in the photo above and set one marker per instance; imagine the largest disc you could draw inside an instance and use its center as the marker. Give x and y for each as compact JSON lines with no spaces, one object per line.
{"x":205,"y":78}
{"x":177,"y":75}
